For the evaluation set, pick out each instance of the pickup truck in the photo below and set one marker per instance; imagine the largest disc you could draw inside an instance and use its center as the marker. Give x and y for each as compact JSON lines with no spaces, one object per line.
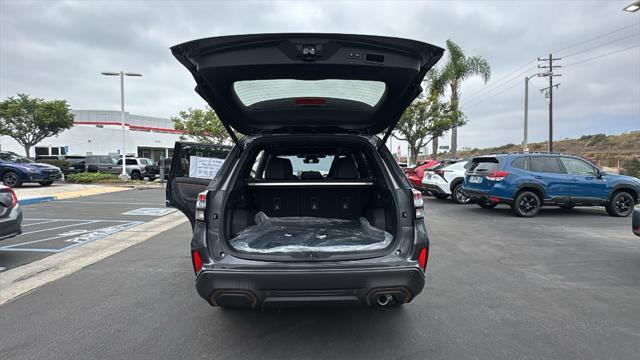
{"x":153,"y":171}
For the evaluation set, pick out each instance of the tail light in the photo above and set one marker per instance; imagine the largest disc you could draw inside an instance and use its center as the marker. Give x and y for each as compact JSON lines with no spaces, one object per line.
{"x":418,"y":203}
{"x":197,"y":261}
{"x":497,"y":175}
{"x":201,"y":205}
{"x":13,"y":197}
{"x":422,"y":257}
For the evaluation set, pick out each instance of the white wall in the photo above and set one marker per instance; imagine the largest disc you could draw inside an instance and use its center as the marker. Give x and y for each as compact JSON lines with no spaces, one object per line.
{"x":82,"y":139}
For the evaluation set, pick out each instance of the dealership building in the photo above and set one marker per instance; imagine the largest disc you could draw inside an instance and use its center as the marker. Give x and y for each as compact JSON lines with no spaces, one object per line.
{"x":99,"y":132}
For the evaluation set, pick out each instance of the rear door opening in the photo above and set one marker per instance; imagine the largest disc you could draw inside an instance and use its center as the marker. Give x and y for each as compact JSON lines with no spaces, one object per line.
{"x":192,"y":167}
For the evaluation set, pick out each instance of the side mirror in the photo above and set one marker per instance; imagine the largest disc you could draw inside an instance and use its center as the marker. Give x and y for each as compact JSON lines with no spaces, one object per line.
{"x":598,"y":174}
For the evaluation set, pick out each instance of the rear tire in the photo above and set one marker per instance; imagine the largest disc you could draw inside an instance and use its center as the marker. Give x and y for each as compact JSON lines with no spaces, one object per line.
{"x":527,"y":204}
{"x":458,"y":196}
{"x":11,"y":179}
{"x":439,"y":196}
{"x":45,"y":183}
{"x":621,"y":204}
{"x":486,"y":204}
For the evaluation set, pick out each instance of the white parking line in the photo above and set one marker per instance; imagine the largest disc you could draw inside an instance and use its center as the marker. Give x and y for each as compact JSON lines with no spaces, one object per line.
{"x":107,"y":202}
{"x":77,"y":237}
{"x":81,"y":222}
{"x":26,"y":278}
{"x":38,"y":223}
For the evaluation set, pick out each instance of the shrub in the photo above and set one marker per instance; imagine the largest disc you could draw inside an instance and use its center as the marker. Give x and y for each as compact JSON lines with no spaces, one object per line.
{"x":631,"y":168}
{"x":88,"y":178}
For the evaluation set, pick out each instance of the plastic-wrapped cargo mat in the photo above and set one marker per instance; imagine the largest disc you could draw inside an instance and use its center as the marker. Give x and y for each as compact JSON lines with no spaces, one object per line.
{"x":302,"y":233}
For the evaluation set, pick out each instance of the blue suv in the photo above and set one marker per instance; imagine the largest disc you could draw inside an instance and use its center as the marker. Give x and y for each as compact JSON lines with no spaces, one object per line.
{"x":526,"y":182}
{"x":16,"y":170}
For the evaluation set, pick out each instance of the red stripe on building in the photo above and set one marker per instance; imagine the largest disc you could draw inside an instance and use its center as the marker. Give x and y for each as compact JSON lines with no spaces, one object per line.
{"x":132,"y":127}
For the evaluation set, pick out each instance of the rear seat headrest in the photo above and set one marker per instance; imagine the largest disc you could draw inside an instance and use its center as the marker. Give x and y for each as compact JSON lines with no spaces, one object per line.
{"x":345,"y":168}
{"x":278,"y":169}
{"x":311,"y":175}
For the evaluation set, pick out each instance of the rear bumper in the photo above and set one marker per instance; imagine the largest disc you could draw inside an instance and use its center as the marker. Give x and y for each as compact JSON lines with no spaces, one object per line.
{"x":476,"y":194}
{"x":282,"y":288}
{"x":434,"y":188}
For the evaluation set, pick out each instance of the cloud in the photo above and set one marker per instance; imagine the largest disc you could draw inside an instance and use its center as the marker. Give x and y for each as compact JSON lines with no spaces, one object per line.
{"x":58,"y":49}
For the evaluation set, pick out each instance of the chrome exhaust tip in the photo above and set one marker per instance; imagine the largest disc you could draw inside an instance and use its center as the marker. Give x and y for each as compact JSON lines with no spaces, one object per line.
{"x":384,"y":300}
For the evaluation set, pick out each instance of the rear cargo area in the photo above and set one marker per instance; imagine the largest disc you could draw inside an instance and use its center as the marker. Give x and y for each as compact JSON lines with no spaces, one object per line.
{"x":304,"y":233}
{"x":297,"y":199}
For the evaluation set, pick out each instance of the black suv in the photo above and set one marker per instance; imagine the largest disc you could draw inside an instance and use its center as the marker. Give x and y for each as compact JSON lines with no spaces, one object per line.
{"x":309,"y":206}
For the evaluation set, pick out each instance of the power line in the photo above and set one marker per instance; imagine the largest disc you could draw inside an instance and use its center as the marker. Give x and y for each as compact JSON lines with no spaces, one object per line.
{"x":481,"y":94}
{"x":491,"y":97}
{"x":493,"y":83}
{"x":603,"y":55}
{"x":595,"y":38}
{"x":597,"y":46}
{"x":507,"y":79}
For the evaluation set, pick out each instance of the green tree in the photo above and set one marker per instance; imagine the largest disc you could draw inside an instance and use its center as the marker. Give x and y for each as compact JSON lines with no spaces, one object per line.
{"x":458,"y":68}
{"x":30,"y":120}
{"x":435,"y":89}
{"x":201,"y":125}
{"x":424,"y":120}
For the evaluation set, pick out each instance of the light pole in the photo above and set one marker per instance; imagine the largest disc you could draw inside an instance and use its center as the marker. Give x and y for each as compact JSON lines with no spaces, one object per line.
{"x":525,"y":142}
{"x":122,"y":74}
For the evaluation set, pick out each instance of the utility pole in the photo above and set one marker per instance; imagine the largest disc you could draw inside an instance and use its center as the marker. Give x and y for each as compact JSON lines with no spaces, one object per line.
{"x":549,"y":90}
{"x":525,"y":141}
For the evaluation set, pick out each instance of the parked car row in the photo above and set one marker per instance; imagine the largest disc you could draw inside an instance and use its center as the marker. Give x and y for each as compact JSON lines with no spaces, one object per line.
{"x":529,"y":181}
{"x":16,"y":170}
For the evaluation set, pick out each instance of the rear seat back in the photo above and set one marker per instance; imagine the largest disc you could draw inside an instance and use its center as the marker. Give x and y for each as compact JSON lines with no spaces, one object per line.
{"x":319,"y":201}
{"x":339,"y":201}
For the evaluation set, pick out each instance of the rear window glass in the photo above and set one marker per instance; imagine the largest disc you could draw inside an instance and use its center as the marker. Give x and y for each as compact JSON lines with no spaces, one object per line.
{"x":251,"y":92}
{"x":484,"y":165}
{"x":545,"y":165}
{"x":299,"y":166}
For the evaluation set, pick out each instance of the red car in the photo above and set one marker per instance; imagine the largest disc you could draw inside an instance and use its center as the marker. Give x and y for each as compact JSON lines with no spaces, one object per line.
{"x":416,"y":173}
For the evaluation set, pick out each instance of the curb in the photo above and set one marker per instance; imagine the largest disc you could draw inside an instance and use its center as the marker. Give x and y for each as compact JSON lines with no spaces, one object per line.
{"x":69,"y":195}
{"x":36,"y":200}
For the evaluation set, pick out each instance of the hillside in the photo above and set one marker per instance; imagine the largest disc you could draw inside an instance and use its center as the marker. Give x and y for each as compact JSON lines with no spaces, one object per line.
{"x":604,"y":150}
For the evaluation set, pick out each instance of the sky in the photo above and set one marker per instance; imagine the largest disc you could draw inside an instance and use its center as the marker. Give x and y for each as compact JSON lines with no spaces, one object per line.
{"x":57,"y":49}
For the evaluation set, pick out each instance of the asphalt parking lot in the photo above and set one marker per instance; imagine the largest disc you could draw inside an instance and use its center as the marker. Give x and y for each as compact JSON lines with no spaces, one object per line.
{"x":564,"y":285}
{"x":57,"y":226}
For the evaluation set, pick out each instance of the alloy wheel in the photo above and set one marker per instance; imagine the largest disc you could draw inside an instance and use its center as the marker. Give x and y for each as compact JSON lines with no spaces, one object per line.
{"x":461,"y":196}
{"x":624,"y":204}
{"x":528,"y":204}
{"x":10,"y":179}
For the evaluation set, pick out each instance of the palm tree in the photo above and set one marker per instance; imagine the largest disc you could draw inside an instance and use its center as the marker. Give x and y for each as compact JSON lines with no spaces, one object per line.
{"x":436,"y":82}
{"x":457,"y":69}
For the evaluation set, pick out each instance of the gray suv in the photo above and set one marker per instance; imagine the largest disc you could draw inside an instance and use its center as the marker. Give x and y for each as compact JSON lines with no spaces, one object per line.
{"x":309,"y":206}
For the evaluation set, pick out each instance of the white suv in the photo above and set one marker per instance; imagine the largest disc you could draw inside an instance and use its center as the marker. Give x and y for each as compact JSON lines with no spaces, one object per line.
{"x":445,"y":179}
